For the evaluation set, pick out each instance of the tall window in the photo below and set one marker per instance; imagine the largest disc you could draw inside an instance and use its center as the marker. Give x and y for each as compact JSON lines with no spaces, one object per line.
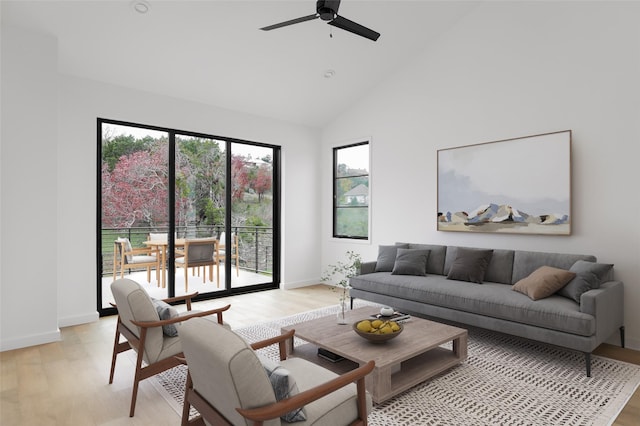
{"x":164,"y":191}
{"x":351,"y":191}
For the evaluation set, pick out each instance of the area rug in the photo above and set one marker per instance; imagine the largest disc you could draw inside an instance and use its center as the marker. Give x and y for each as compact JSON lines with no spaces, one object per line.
{"x":505,"y":380}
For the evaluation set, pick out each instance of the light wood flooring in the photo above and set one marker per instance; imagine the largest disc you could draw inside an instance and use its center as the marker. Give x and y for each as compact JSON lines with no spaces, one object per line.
{"x":66,"y":383}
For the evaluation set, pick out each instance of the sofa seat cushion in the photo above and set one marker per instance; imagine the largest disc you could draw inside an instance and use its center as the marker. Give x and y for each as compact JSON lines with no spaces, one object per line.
{"x":309,"y":375}
{"x":489,"y":299}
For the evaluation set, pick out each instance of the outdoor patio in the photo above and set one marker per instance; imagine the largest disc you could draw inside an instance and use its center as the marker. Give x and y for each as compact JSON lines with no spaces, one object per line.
{"x":246,"y":278}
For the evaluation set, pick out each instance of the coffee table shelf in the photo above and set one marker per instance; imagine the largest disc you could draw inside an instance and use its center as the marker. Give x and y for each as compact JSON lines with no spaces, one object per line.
{"x":411,"y":358}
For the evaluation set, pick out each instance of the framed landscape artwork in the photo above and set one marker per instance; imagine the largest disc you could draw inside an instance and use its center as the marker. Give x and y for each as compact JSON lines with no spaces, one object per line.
{"x":518,"y":186}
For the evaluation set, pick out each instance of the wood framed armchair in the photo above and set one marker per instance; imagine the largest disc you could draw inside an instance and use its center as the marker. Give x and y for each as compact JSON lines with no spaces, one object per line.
{"x":127,"y":257}
{"x":228,"y":383}
{"x":146,"y":333}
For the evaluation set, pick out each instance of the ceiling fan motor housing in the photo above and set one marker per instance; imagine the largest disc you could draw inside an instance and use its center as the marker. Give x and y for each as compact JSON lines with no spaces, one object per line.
{"x":327,"y":9}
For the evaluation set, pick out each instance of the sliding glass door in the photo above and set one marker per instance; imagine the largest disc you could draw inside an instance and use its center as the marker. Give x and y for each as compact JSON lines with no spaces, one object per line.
{"x":224,"y":199}
{"x":250,"y":257}
{"x":200,"y":200}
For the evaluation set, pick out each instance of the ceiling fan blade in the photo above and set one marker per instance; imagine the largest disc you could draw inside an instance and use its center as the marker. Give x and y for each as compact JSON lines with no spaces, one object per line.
{"x":291,"y":22}
{"x":355,"y":28}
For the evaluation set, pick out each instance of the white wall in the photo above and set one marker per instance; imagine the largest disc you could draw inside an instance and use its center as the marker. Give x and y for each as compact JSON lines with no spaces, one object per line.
{"x":511,"y":69}
{"x":28,"y":303}
{"x":49,"y":185}
{"x":81,"y":101}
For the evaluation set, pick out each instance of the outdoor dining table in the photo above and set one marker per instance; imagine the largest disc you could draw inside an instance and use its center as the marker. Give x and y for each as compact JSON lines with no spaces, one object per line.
{"x":161,"y":246}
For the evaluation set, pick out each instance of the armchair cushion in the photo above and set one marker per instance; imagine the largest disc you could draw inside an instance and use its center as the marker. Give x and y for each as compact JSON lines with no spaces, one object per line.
{"x":331,"y":409}
{"x":284,"y":386}
{"x":165,"y":312}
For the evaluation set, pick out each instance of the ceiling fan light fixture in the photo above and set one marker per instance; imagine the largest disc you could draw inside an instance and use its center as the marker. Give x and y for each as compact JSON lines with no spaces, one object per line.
{"x":326,"y":14}
{"x":140,"y":6}
{"x":329,"y":74}
{"x":327,"y":11}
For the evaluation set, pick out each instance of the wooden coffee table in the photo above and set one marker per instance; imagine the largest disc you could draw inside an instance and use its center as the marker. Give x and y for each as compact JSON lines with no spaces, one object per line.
{"x":405,"y":361}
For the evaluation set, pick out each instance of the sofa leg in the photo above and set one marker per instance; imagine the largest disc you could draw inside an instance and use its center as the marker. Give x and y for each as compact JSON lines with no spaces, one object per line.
{"x":354,"y":298}
{"x":587,"y":361}
{"x":622,"y":336}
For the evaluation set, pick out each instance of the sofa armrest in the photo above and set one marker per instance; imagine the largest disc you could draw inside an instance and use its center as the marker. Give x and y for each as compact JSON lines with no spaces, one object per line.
{"x":367,"y":268}
{"x":606,"y":304}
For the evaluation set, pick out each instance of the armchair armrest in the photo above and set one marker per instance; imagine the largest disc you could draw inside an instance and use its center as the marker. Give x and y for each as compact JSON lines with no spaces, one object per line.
{"x":187,"y":298}
{"x":181,"y":318}
{"x":273,"y":411}
{"x":280,"y":340}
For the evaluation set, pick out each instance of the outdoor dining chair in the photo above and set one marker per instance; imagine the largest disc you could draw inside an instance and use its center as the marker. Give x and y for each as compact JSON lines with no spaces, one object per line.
{"x":127,"y":257}
{"x":199,"y":252}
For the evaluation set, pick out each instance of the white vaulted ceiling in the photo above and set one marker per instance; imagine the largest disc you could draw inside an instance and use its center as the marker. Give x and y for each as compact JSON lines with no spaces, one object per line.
{"x":213,"y":51}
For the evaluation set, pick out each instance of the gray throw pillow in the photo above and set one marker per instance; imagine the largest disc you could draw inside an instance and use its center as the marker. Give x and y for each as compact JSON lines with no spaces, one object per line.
{"x":411,"y":262}
{"x":387,"y":257}
{"x":589,"y":275}
{"x":284,"y":386}
{"x":165,"y":312}
{"x":470,"y":265}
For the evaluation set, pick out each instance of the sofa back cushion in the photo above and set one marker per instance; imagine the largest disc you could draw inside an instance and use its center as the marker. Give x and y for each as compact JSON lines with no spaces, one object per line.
{"x":387,"y":257}
{"x":499,"y":268}
{"x":525,"y":262}
{"x":435,"y":262}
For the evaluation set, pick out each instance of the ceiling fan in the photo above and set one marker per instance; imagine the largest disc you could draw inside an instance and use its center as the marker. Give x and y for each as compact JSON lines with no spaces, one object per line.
{"x":327,"y":10}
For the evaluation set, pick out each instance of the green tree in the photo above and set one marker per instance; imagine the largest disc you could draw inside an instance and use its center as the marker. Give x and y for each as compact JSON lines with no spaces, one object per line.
{"x":114,"y":148}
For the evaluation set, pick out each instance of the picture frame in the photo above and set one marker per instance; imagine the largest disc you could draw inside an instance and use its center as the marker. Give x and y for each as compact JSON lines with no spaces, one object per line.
{"x":511,"y":186}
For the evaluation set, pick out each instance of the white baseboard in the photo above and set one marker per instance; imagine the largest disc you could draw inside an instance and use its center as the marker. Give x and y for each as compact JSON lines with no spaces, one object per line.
{"x":78,"y":319}
{"x":33,"y":340}
{"x":298,"y":284}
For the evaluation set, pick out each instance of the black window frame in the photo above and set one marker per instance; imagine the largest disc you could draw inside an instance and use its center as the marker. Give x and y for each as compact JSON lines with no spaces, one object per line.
{"x":277,"y":215}
{"x":335,"y":181}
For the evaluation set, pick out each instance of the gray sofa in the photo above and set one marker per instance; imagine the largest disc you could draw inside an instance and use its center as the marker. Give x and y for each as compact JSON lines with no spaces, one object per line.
{"x":493,"y":304}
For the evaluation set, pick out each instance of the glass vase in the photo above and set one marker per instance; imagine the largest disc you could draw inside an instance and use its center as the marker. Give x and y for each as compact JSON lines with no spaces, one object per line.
{"x":341,"y":315}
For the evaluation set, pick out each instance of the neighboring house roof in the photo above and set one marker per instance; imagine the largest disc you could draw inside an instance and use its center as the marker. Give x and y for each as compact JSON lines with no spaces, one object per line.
{"x":357,"y":191}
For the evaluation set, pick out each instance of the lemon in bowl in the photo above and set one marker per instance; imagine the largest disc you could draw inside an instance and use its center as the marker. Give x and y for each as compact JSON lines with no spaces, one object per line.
{"x":377,"y":331}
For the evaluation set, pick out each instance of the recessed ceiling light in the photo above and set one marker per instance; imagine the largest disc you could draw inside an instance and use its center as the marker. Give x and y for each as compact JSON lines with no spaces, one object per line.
{"x":140,"y":6}
{"x":329,"y":73}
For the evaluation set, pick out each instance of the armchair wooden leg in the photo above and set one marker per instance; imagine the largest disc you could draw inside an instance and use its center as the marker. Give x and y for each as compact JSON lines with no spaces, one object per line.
{"x":115,"y":354}
{"x":118,"y":347}
{"x":136,"y":381}
{"x":186,"y":406}
{"x":362,"y":401}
